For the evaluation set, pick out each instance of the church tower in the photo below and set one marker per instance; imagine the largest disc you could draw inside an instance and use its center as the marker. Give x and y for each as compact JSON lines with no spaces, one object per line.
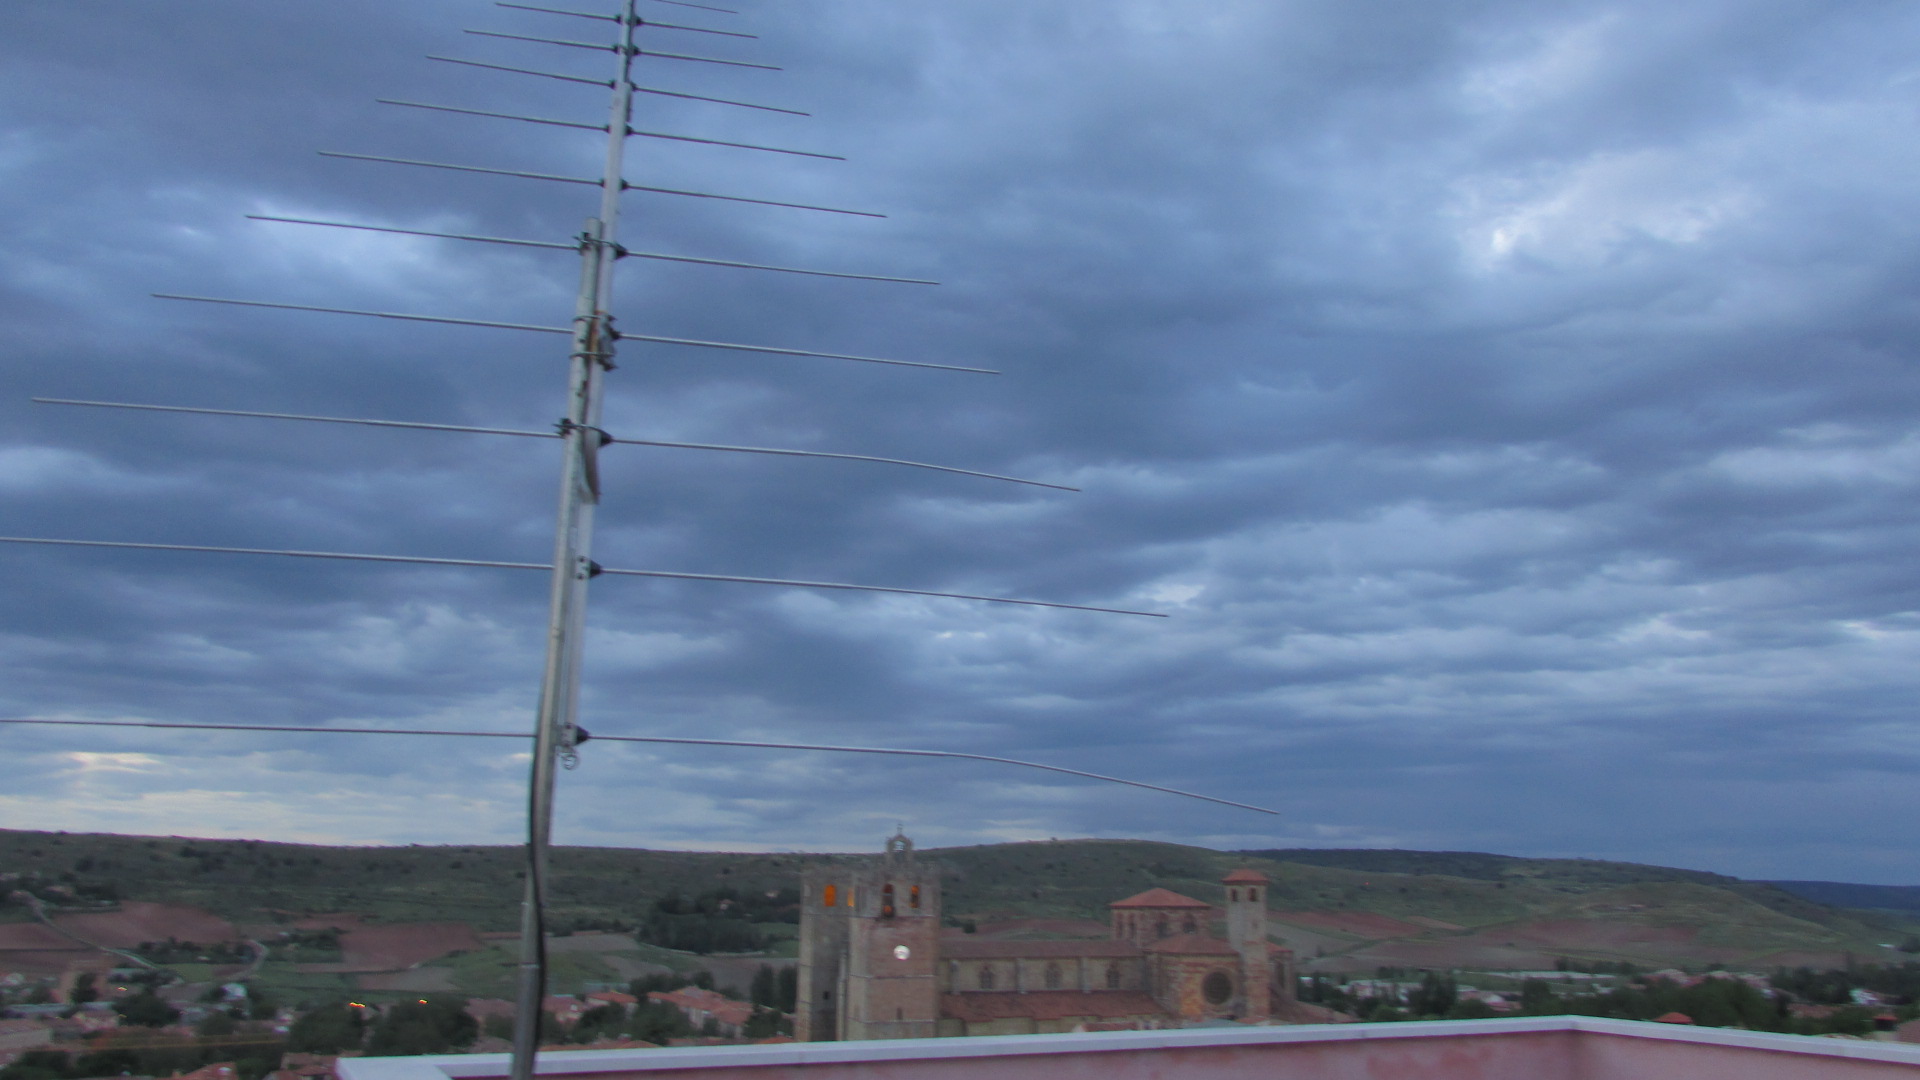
{"x":826,"y":907}
{"x":893,"y":934}
{"x":1247,"y":933}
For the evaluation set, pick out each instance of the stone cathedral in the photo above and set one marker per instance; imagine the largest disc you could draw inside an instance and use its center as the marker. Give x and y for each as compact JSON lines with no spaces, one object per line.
{"x":876,"y":964}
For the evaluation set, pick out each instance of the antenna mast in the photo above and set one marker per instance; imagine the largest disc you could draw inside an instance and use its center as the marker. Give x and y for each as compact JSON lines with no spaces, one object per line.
{"x":555,"y":727}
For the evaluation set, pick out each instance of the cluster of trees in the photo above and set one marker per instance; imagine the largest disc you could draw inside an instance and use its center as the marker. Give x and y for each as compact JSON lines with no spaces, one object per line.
{"x":435,"y":1024}
{"x":139,"y":1050}
{"x":718,"y":920}
{"x":1713,"y":1002}
{"x":308,"y":946}
{"x":1836,"y":987}
{"x":775,"y":989}
{"x":175,"y":951}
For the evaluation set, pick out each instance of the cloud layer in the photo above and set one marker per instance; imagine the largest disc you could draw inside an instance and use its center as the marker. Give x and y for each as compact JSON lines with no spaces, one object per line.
{"x":1512,"y":405}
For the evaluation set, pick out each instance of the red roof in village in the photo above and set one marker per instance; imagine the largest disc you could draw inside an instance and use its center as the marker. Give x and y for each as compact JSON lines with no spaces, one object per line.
{"x":1049,"y":1005}
{"x":722,"y":1008}
{"x":613,"y":997}
{"x":1245,"y":877}
{"x":1159,"y":898}
{"x":1191,"y":945}
{"x":1673,"y":1018}
{"x":976,"y":949}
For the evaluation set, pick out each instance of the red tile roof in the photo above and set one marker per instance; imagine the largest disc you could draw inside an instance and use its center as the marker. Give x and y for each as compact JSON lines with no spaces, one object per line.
{"x":1245,"y":877}
{"x":1159,"y":898}
{"x":694,"y":998}
{"x":1191,"y":945}
{"x":1049,"y":1005}
{"x":973,"y":949}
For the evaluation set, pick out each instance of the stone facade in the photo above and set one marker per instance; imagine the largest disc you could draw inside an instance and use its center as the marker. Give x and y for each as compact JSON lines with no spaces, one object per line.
{"x":875,"y":964}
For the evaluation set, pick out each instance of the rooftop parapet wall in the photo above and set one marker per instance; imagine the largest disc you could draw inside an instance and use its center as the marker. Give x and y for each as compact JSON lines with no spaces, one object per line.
{"x":1535,"y":1048}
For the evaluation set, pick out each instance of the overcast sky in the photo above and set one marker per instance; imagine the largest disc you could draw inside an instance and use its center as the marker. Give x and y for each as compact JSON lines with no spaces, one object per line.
{"x":1512,"y":404}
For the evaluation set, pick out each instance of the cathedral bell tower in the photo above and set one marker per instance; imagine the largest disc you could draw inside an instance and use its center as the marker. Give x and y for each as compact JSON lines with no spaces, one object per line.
{"x":1247,"y":933}
{"x":892,"y":949}
{"x":869,"y":944}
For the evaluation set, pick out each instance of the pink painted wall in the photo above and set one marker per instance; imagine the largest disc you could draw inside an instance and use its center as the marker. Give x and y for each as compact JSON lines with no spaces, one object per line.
{"x":1544,"y":1048}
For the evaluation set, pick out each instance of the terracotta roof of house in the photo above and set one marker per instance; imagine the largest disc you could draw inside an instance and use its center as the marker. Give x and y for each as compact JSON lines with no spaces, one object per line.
{"x":1192,"y":945}
{"x":973,"y":949}
{"x":1159,"y":898}
{"x":1049,"y":1005}
{"x":613,"y":997}
{"x":722,"y":1008}
{"x":1673,"y":1018}
{"x":1246,"y":877}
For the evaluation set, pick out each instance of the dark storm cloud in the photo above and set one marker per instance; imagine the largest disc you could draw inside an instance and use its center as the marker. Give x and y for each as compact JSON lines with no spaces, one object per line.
{"x":1512,"y":404}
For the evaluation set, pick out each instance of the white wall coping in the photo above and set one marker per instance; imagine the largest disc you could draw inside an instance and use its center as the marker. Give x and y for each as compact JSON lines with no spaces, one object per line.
{"x":589,"y":1062}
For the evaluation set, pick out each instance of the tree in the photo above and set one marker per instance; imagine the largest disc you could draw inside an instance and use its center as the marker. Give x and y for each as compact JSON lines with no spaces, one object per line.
{"x":658,"y":1022}
{"x":1435,"y":996}
{"x":599,"y":1022}
{"x":216,"y":1025}
{"x":328,"y":1029}
{"x":1538,"y":999}
{"x":147,"y":1009}
{"x":84,"y":989}
{"x":765,"y":989}
{"x":427,"y":1026}
{"x":789,"y":996}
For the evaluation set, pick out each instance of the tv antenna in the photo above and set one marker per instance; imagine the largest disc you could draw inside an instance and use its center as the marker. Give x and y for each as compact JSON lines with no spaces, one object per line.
{"x":592,"y":339}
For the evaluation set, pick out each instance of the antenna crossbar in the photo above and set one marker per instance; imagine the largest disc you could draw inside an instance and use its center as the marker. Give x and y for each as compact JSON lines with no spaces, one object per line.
{"x":662,"y":256}
{"x":624,"y":186}
{"x":461,"y":168}
{"x":522,"y":71}
{"x":557,"y":11}
{"x":699,"y":97}
{"x":545,"y":41}
{"x":609,"y":439}
{"x":720,"y":142}
{"x":739,"y":199}
{"x":416,"y":424}
{"x":495,"y":115}
{"x":702,"y":7}
{"x":677,"y":575}
{"x":781,"y":269}
{"x":753,"y":744}
{"x":736,"y":347}
{"x":650,"y":24}
{"x":424,"y":232}
{"x":375,"y":314}
{"x":707,"y":60}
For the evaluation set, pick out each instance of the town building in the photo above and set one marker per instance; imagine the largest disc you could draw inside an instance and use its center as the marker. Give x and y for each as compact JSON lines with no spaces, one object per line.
{"x":875,"y":962}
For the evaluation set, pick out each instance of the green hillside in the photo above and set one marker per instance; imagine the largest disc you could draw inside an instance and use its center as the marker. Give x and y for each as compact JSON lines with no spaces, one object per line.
{"x":1443,"y":900}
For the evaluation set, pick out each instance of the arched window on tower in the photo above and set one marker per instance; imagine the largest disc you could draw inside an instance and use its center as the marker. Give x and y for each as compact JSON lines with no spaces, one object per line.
{"x":1188,"y":926}
{"x":913,"y":897}
{"x":828,"y":897}
{"x":986,"y":976}
{"x":1052,"y":976}
{"x":1113,"y":976}
{"x":886,"y":900}
{"x":1233,"y":894}
{"x":1161,"y":929}
{"x":1253,"y":894}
